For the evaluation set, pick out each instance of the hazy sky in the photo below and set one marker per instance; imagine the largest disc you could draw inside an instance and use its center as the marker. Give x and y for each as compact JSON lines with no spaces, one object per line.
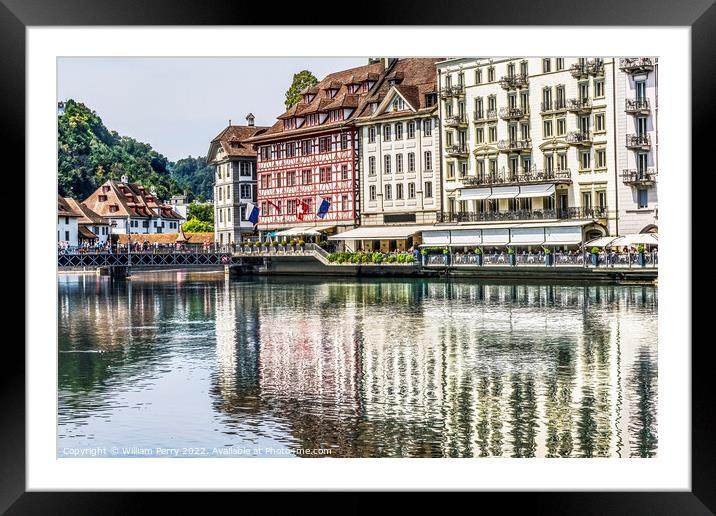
{"x":178,"y":105}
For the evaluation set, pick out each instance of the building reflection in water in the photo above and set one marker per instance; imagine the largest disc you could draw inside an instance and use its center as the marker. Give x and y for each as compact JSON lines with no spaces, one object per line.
{"x":417,"y":368}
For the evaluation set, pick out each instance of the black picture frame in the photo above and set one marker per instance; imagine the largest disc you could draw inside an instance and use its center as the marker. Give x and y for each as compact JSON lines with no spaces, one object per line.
{"x":700,"y":15}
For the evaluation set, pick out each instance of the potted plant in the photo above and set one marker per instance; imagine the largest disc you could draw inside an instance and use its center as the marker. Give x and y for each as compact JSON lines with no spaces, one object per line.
{"x":301,"y":243}
{"x":640,"y":255}
{"x":446,"y":253}
{"x":595,"y":256}
{"x":511,"y":258}
{"x":478,"y":255}
{"x":548,"y":256}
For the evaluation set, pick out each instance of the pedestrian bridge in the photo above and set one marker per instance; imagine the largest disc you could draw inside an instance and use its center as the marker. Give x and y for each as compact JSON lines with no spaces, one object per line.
{"x":144,"y":259}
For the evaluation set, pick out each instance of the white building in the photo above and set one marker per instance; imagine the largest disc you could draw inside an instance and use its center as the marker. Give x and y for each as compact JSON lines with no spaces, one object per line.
{"x":637,"y":144}
{"x":398,"y":158}
{"x":67,"y":226}
{"x":234,"y":180}
{"x":92,"y":227}
{"x":546,"y":142}
{"x":131,"y":208}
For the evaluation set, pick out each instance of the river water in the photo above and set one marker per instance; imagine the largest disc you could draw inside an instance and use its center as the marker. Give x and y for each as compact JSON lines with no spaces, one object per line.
{"x":191,"y":364}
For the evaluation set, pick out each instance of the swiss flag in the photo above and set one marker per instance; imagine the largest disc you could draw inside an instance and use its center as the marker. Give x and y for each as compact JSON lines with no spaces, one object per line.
{"x":302,"y":209}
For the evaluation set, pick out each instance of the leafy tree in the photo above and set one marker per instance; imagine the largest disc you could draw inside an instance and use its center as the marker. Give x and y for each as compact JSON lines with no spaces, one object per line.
{"x":89,"y":154}
{"x":202,"y":212}
{"x":195,"y":176}
{"x":198,"y":226}
{"x":301,"y":80}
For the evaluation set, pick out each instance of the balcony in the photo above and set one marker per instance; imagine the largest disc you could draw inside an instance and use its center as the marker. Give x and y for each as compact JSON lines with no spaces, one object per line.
{"x":637,"y":106}
{"x":579,"y":138}
{"x":510,"y":82}
{"x":636,"y":177}
{"x":508,"y":177}
{"x":514,"y":113}
{"x":636,"y":65}
{"x":579,"y":105}
{"x":457,"y":150}
{"x":457,"y":90}
{"x":595,"y":68}
{"x":569,"y":213}
{"x":514,"y":145}
{"x":554,"y":107}
{"x":456,"y":121}
{"x":579,"y":70}
{"x":638,"y":141}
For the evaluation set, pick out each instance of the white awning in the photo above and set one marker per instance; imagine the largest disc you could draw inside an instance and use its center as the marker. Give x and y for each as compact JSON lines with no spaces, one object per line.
{"x":298,"y":231}
{"x":527,"y":236}
{"x":474,"y":194}
{"x":436,"y":237}
{"x":379,"y":233}
{"x":495,"y":236}
{"x":637,"y":238}
{"x":535,"y":191}
{"x":563,"y":235}
{"x":505,"y":192}
{"x":601,"y":241}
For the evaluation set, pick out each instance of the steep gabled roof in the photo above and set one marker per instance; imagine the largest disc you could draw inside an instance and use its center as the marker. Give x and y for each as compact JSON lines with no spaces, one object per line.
{"x":87,"y":216}
{"x":322,"y":101}
{"x":232,"y":140}
{"x":64,"y":209}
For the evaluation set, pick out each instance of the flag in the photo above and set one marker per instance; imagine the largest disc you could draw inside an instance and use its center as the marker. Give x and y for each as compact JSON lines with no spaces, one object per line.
{"x":302,"y":209}
{"x":323,"y":208}
{"x":253,"y":213}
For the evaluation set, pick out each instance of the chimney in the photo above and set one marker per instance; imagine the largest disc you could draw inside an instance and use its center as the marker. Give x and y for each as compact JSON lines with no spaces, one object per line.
{"x":125,"y":179}
{"x":229,"y":121}
{"x":250,"y":120}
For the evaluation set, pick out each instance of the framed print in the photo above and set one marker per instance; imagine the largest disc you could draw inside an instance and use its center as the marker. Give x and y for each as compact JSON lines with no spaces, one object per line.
{"x":385,"y":255}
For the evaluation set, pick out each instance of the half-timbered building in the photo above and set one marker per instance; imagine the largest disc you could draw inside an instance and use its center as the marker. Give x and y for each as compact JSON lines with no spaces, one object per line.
{"x":307,"y":161}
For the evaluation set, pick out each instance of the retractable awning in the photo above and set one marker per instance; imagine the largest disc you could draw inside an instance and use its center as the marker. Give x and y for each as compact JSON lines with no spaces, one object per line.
{"x":535,"y":191}
{"x":474,"y":194}
{"x":638,"y":238}
{"x":601,"y":241}
{"x":379,"y":233}
{"x":505,"y":192}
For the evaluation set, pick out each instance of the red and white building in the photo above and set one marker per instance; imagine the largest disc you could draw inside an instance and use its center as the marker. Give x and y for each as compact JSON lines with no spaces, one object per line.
{"x":310,"y":155}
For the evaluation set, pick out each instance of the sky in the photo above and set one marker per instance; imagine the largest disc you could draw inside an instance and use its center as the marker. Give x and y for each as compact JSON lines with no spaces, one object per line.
{"x":178,"y":105}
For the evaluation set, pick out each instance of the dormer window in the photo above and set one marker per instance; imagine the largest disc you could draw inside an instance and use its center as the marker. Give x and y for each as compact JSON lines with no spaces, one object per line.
{"x":353,"y":88}
{"x":105,"y":189}
{"x":113,"y":208}
{"x":312,"y":119}
{"x":289,"y":123}
{"x":102,"y":198}
{"x":336,"y":114}
{"x":431,"y":99}
{"x":398,"y":104}
{"x":332,"y":92}
{"x":373,"y":107}
{"x":308,"y":97}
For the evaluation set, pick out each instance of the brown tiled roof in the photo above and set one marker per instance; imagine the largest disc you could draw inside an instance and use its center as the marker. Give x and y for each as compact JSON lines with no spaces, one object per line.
{"x":131,"y":199}
{"x":87,"y":216}
{"x":321,"y":101}
{"x":309,"y":89}
{"x":167,"y":238}
{"x":236,"y":135}
{"x":64,"y":209}
{"x":85,"y":232}
{"x":416,"y":75}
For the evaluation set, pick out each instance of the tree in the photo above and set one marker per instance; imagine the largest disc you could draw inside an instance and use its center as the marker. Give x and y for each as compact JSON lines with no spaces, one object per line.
{"x":201,"y":212}
{"x":301,"y":80}
{"x":198,"y":226}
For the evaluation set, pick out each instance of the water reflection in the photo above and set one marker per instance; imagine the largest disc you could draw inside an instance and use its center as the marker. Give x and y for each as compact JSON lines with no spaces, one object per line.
{"x":365,"y":368}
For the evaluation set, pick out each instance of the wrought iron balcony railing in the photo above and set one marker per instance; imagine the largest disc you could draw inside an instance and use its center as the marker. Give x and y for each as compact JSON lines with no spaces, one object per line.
{"x":554,"y":106}
{"x":637,"y":106}
{"x":595,"y":68}
{"x":509,"y":113}
{"x":639,"y":177}
{"x":509,"y":82}
{"x":485,"y":116}
{"x":532,"y":175}
{"x":599,"y":212}
{"x":456,"y":150}
{"x":456,"y":121}
{"x":579,"y":70}
{"x":514,"y":145}
{"x":579,"y":137}
{"x":638,"y":141}
{"x":458,"y":90}
{"x":636,"y":64}
{"x":578,"y":105}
